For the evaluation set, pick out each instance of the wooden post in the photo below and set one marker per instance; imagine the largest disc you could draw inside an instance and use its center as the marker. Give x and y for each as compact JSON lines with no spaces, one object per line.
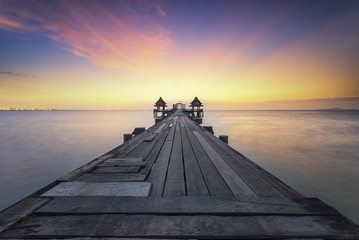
{"x":209,"y":129}
{"x":138,"y":130}
{"x":126,"y":137}
{"x":224,"y":138}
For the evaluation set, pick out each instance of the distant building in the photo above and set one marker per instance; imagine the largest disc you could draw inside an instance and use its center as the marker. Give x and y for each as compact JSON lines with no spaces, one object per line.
{"x":179,"y":106}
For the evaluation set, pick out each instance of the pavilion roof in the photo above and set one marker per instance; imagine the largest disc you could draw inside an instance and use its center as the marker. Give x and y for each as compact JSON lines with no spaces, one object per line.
{"x":160,"y":103}
{"x":196,"y":103}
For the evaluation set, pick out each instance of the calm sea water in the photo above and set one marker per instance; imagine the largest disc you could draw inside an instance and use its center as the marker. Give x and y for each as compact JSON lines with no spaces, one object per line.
{"x":315,"y":152}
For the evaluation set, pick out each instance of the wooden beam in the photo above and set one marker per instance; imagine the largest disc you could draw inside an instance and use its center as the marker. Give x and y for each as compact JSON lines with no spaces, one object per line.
{"x":175,"y":185}
{"x":196,"y":186}
{"x":214,"y":181}
{"x":179,"y":226}
{"x":99,"y":189}
{"x":20,"y":211}
{"x":235,"y":183}
{"x":229,"y":206}
{"x":157,"y":176}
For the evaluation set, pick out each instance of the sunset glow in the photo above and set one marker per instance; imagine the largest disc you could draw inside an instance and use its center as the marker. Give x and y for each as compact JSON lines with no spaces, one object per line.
{"x":231,"y":54}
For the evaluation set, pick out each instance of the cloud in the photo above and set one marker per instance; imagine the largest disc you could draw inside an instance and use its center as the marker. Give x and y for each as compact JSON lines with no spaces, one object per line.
{"x":338,"y":100}
{"x":114,"y":34}
{"x":14,"y":73}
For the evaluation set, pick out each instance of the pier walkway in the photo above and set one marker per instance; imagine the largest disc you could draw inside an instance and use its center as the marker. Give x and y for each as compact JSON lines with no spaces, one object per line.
{"x":174,"y":180}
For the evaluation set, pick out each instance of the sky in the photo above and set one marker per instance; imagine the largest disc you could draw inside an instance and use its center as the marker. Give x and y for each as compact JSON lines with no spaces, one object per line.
{"x":86,"y":54}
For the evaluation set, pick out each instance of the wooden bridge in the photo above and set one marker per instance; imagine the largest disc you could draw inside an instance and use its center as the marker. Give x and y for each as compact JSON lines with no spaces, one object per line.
{"x":174,"y":180}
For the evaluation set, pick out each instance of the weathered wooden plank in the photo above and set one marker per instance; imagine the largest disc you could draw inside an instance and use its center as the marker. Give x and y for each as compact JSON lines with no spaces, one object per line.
{"x":146,"y":151}
{"x":158,"y":172}
{"x":304,"y":239}
{"x":118,"y":238}
{"x":139,"y":159}
{"x":85,"y":168}
{"x":151,"y":137}
{"x":214,"y":181}
{"x":195,"y":183}
{"x":229,"y":206}
{"x":235,"y":183}
{"x":153,"y":143}
{"x":137,"y":140}
{"x":182,"y":122}
{"x":248,"y":227}
{"x":99,"y":189}
{"x":133,"y":142}
{"x":160,"y":128}
{"x":175,"y":182}
{"x":128,"y":169}
{"x":122,"y":164}
{"x":20,"y":211}
{"x":260,"y":187}
{"x":155,"y":150}
{"x":139,"y":149}
{"x":113,"y":177}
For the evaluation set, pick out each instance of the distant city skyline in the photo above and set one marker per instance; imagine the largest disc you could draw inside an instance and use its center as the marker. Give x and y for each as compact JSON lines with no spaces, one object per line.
{"x":231,"y":54}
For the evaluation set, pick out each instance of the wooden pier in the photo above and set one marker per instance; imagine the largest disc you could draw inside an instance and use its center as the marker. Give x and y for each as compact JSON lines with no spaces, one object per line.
{"x":173,"y":180}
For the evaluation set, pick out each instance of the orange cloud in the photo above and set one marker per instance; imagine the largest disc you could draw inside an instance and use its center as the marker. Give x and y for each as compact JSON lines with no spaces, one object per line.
{"x":5,"y":23}
{"x":126,"y":37}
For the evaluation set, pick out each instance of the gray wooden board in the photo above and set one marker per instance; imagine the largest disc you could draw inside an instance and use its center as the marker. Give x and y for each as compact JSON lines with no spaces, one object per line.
{"x":160,"y":128}
{"x":99,"y":189}
{"x":147,"y":150}
{"x":175,"y":182}
{"x":85,"y":168}
{"x":137,"y":140}
{"x":235,"y":183}
{"x":20,"y":211}
{"x":214,"y":181}
{"x":260,"y":187}
{"x":122,"y":164}
{"x":195,"y":183}
{"x":123,"y":238}
{"x":129,"y":169}
{"x":139,"y":149}
{"x":113,"y":177}
{"x":185,"y":205}
{"x":151,"y":137}
{"x":158,"y":172}
{"x":119,"y":225}
{"x":150,"y":147}
{"x":153,"y":154}
{"x":133,"y":141}
{"x":127,"y":160}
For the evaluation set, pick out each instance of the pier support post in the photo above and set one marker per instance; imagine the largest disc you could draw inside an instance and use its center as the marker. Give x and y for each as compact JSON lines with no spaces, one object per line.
{"x":224,"y":138}
{"x":138,"y":130}
{"x":126,"y":137}
{"x":197,"y":120}
{"x":209,"y":129}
